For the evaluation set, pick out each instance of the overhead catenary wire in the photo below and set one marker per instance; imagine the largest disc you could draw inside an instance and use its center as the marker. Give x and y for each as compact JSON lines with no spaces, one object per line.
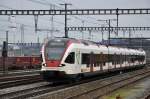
{"x":58,"y":7}
{"x":48,"y":4}
{"x":4,"y":6}
{"x":75,"y":17}
{"x":26,"y":25}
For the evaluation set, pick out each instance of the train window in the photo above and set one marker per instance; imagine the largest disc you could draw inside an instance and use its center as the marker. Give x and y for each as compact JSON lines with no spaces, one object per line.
{"x":70,"y":58}
{"x":117,"y":59}
{"x":121,"y":59}
{"x":85,"y":58}
{"x":105,"y":58}
{"x":55,"y":49}
{"x":54,"y":53}
{"x":141,"y":58}
{"x":137,"y":58}
{"x":114,"y":59}
{"x":104,"y":63}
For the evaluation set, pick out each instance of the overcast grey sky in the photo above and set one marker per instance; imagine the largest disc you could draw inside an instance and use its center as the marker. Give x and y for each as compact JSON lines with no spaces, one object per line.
{"x":44,"y":21}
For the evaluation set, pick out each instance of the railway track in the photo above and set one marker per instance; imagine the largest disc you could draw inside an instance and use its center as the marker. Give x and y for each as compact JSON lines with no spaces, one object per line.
{"x":123,"y":82}
{"x":18,"y":72}
{"x":39,"y":90}
{"x":98,"y":88}
{"x":147,"y":97}
{"x":30,"y":90}
{"x":10,"y":81}
{"x":109,"y":85}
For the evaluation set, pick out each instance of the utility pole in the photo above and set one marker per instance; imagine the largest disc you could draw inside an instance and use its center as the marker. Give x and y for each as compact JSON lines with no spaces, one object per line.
{"x":109,"y":32}
{"x":22,"y":38}
{"x":38,"y":42}
{"x":102,"y":36}
{"x":124,"y":33}
{"x":4,"y":55}
{"x":141,"y":41}
{"x":108,"y":22}
{"x":47,"y":34}
{"x":109,"y":29}
{"x":129,"y":38}
{"x":82,"y":31}
{"x":36,"y":23}
{"x":102,"y":32}
{"x":108,"y":42}
{"x":52,"y":7}
{"x":66,"y":32}
{"x":117,"y":20}
{"x":52,"y":25}
{"x":7,"y":36}
{"x":90,"y":35}
{"x":5,"y":58}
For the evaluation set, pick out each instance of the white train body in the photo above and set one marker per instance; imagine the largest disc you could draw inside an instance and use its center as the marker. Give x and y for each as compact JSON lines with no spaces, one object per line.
{"x":64,"y":56}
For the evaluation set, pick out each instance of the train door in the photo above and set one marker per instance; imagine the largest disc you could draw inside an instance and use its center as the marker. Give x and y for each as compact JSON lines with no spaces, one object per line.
{"x":78,"y":60}
{"x":129,"y":59}
{"x":91,"y":61}
{"x":70,"y":63}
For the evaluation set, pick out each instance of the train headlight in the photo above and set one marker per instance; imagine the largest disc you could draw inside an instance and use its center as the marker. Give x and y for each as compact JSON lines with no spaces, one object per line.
{"x":43,"y":64}
{"x":62,"y":65}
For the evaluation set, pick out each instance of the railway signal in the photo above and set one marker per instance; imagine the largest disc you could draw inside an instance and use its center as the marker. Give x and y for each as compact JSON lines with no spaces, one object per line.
{"x":4,"y":55}
{"x":5,"y":49}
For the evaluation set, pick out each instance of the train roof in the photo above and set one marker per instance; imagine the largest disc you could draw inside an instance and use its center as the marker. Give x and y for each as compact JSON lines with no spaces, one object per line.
{"x":87,"y":42}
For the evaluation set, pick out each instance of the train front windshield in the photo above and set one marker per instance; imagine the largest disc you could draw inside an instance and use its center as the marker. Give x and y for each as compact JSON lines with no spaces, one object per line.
{"x":55,"y":50}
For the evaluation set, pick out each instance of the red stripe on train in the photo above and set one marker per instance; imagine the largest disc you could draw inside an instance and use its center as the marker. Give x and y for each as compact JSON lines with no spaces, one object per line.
{"x":53,"y":63}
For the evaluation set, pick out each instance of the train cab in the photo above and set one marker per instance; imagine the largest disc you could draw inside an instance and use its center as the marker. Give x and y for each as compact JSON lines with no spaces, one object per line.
{"x":58,"y":59}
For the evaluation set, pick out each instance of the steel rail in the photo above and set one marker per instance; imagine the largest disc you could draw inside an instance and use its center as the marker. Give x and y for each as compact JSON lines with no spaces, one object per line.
{"x":103,"y":85}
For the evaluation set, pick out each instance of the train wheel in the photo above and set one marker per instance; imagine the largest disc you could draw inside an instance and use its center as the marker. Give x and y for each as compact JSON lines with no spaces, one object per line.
{"x":78,"y":78}
{"x":120,"y":72}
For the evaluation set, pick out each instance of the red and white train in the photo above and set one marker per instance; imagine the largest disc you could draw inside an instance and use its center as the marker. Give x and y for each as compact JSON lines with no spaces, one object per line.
{"x":72,"y":58}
